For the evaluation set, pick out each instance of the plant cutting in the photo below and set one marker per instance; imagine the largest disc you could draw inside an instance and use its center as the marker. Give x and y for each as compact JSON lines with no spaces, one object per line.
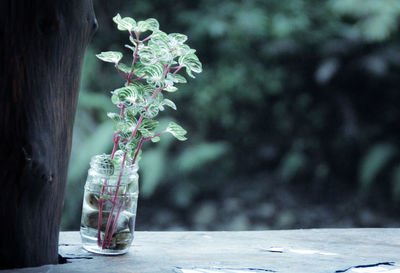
{"x":111,"y":189}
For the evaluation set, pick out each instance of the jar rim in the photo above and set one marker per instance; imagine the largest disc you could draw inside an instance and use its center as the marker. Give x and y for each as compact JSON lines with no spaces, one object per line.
{"x":102,"y":165}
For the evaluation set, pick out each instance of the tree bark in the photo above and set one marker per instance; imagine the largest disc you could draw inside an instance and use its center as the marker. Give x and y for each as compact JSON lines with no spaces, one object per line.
{"x":42,"y":45}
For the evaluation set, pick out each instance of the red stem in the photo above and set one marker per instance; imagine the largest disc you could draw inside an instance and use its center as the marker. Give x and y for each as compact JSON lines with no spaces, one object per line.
{"x":140,"y":120}
{"x":154,"y":95}
{"x":137,"y":150}
{"x":108,"y":236}
{"x":114,"y":224}
{"x":115,"y":145}
{"x":114,"y":203}
{"x":146,"y":39}
{"x":177,"y":69}
{"x":116,"y":142}
{"x":138,"y":78}
{"x":159,"y":134}
{"x":119,"y":72}
{"x":105,"y":184}
{"x":137,"y":127}
{"x":135,"y":55}
{"x":165,"y":70}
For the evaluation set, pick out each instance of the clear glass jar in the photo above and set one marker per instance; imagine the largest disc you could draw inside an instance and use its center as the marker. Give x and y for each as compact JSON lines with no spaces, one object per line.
{"x":103,"y":197}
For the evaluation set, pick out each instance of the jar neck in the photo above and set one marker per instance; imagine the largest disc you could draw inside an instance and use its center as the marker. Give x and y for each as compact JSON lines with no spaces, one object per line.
{"x":101,"y":166}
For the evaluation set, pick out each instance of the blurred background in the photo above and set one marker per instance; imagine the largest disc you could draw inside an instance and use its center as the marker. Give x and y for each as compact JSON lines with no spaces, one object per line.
{"x":294,"y":122}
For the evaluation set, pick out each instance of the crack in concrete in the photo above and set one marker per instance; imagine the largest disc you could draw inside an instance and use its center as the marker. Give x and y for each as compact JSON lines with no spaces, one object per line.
{"x":365,"y":266}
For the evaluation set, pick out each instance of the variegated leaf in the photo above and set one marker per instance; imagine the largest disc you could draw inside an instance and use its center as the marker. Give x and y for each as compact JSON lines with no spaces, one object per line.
{"x":169,"y":103}
{"x":110,"y":56}
{"x":177,"y":131}
{"x":147,"y":127}
{"x":126,"y":23}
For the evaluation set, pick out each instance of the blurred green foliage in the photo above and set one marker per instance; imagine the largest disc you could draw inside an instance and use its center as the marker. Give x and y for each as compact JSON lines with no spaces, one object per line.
{"x":306,"y":90}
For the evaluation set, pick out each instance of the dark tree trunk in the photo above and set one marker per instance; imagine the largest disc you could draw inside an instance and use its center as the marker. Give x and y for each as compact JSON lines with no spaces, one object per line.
{"x":42,"y":45}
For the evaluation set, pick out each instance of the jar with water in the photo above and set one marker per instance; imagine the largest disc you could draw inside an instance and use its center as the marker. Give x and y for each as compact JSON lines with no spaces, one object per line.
{"x":109,"y":207}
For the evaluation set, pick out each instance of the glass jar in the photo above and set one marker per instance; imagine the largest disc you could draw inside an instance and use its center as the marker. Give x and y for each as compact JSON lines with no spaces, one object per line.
{"x":109,"y":207}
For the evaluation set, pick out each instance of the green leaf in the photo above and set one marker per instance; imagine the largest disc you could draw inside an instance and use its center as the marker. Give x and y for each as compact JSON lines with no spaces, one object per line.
{"x":123,"y":147}
{"x":130,"y":95}
{"x":110,"y":56}
{"x":155,"y":139}
{"x":126,"y":95}
{"x":124,"y":68}
{"x":147,"y":55}
{"x":183,"y":50}
{"x":130,"y":114}
{"x":153,"y":24}
{"x":169,"y":103}
{"x":138,"y":70}
{"x":131,"y":47}
{"x":126,"y":128}
{"x":103,"y":164}
{"x":180,"y":78}
{"x":131,"y":145}
{"x":155,"y":70}
{"x":191,"y":62}
{"x":160,"y":35}
{"x":171,"y":79}
{"x":151,"y":112}
{"x":147,"y":127}
{"x":177,"y":38}
{"x":170,"y":88}
{"x":114,"y":99}
{"x":177,"y":131}
{"x":126,"y":23}
{"x":161,"y":49}
{"x":143,"y":26}
{"x":155,"y":75}
{"x":115,"y":117}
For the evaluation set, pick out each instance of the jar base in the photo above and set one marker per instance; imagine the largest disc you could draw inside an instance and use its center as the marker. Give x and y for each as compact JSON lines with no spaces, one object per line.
{"x":98,"y":250}
{"x":89,"y":243}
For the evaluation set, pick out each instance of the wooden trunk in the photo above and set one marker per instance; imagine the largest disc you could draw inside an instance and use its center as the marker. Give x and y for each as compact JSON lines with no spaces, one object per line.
{"x":42,"y":44}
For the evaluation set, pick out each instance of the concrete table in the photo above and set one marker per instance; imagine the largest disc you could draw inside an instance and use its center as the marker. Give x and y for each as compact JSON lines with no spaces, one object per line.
{"x":291,"y":251}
